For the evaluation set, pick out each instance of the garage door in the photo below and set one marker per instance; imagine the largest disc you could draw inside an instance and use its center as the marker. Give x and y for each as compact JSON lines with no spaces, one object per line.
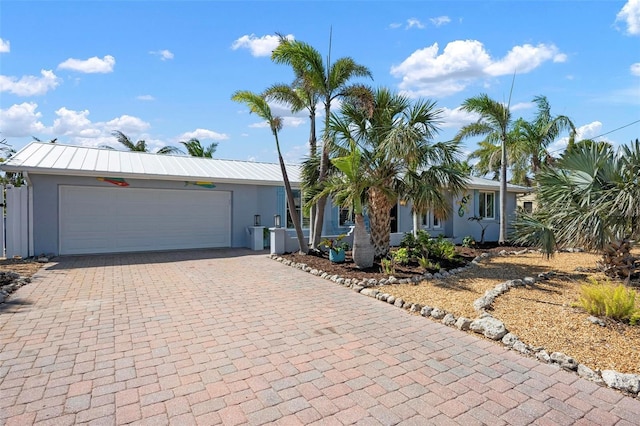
{"x":110,"y":220}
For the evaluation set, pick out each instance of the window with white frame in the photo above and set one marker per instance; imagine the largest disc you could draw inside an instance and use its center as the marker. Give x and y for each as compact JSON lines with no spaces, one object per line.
{"x":430,"y":220}
{"x":486,"y":205}
{"x":297,"y":200}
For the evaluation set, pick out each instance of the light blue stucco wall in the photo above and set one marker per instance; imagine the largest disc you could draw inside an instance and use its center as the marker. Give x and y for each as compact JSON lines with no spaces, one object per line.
{"x":247,"y":200}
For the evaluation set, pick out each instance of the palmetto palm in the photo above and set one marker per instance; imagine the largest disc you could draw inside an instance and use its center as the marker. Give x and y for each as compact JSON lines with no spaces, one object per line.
{"x":195,"y":148}
{"x":141,"y":145}
{"x":589,"y":198}
{"x":399,"y":160}
{"x":327,"y":82}
{"x":258,"y":105}
{"x":495,"y":124}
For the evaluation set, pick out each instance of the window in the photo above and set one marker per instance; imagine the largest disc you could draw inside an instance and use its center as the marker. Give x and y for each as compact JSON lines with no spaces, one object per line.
{"x":346,"y":218}
{"x":297,"y":200}
{"x":429,"y":220}
{"x":528,"y":206}
{"x":486,"y":205}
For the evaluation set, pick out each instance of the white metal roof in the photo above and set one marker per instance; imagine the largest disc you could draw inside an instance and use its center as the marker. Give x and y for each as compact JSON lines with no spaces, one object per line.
{"x":70,"y":160}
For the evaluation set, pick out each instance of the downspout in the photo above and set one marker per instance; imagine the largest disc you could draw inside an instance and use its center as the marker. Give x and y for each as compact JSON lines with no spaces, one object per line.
{"x":29,"y":213}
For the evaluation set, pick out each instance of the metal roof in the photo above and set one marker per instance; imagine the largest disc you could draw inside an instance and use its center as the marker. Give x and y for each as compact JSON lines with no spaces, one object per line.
{"x":71,"y":160}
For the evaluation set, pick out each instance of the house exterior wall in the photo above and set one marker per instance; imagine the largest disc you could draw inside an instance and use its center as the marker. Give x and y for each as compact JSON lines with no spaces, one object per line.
{"x":246,"y":201}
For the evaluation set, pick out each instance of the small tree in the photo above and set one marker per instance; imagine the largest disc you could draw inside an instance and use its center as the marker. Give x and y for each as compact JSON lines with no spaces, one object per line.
{"x":483,"y":226}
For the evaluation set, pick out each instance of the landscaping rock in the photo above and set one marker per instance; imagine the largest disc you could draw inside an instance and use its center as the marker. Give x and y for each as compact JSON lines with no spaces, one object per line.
{"x":449,"y":320}
{"x":415,"y":307}
{"x":399,"y":303}
{"x":357,"y":288}
{"x":596,"y":321}
{"x":529,"y":280}
{"x":509,"y":339}
{"x":426,"y":311}
{"x":624,"y":382}
{"x":369,"y":292}
{"x":564,"y":361}
{"x":491,"y":327}
{"x":438,"y":313}
{"x":587,"y":373}
{"x":391,"y":299}
{"x":521,"y":347}
{"x":543,"y":356}
{"x":463,"y":323}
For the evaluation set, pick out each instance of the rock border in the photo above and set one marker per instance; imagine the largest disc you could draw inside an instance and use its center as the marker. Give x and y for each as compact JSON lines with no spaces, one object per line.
{"x":485,"y":324}
{"x":10,"y":282}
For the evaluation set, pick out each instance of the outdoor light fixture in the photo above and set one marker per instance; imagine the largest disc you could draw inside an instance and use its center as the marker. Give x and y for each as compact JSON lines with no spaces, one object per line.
{"x":256,"y":220}
{"x":276,"y":221}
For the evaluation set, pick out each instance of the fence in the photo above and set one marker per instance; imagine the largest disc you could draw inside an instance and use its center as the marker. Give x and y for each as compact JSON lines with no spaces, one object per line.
{"x":15,"y":226}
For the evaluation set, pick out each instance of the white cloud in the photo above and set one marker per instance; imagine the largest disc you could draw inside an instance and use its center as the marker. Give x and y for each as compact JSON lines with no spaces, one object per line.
{"x":635,"y":69}
{"x":395,"y":25}
{"x":427,"y":72}
{"x":457,"y":117}
{"x":72,"y":123}
{"x":29,"y":85}
{"x":90,"y":66}
{"x":630,"y":14}
{"x":5,"y":46}
{"x":202,"y":134}
{"x":259,"y":46}
{"x":286,"y":122}
{"x":520,"y":106}
{"x":164,"y":54}
{"x":127,"y":124}
{"x":588,"y":131}
{"x":145,"y":98}
{"x":440,"y":20}
{"x":414,"y":23}
{"x":21,"y":120}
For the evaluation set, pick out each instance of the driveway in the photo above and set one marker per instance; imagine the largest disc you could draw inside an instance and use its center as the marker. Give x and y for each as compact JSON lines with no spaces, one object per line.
{"x":231,"y":337}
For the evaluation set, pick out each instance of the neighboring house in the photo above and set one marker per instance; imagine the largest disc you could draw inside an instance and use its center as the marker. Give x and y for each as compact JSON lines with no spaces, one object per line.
{"x":87,"y":200}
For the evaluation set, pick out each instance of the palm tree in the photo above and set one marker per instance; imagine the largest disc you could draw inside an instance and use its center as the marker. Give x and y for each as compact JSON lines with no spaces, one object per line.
{"x":195,"y":148}
{"x":532,"y":138}
{"x":348,"y":190}
{"x":328,"y":83}
{"x":54,"y":140}
{"x":495,"y":124}
{"x":141,"y":145}
{"x":589,"y":198}
{"x":258,"y":105}
{"x":400,"y":161}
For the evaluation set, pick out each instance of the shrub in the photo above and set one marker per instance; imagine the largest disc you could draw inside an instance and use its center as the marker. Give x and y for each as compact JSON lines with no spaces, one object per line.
{"x":442,"y":248}
{"x":468,"y":241}
{"x":401,"y":256}
{"x":388,"y":267}
{"x":428,"y":265}
{"x":605,"y":299}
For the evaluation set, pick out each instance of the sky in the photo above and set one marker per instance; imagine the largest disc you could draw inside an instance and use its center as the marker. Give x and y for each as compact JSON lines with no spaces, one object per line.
{"x":164,"y":71}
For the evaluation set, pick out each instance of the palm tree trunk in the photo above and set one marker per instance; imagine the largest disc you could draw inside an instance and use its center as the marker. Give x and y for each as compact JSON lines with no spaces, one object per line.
{"x":415,"y":224}
{"x":362,"y":252}
{"x":380,"y":220}
{"x":324,"y":167}
{"x":503,"y":193}
{"x":302,"y":243}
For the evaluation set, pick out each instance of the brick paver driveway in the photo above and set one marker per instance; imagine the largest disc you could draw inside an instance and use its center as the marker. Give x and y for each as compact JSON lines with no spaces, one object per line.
{"x":227,"y":336}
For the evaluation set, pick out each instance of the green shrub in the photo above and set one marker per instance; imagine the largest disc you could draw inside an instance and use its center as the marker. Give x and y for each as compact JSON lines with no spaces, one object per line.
{"x":442,"y":248}
{"x":428,"y":265}
{"x":605,"y":299}
{"x":635,"y":318}
{"x":468,"y":241}
{"x":388,"y":267}
{"x":401,"y":256}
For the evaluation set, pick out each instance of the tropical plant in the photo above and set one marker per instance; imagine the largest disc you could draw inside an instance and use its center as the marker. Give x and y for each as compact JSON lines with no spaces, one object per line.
{"x":494,"y":123}
{"x":335,"y":244}
{"x":348,"y":189}
{"x":388,"y":266}
{"x":399,"y":161}
{"x":606,"y":299}
{"x":326,"y":83}
{"x":589,"y":198}
{"x":401,"y":256}
{"x":468,"y":241}
{"x":141,"y":145}
{"x":258,"y":105}
{"x":195,"y":148}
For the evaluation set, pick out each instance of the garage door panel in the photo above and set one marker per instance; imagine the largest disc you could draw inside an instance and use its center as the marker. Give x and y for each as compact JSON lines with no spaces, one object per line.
{"x":103,"y":220}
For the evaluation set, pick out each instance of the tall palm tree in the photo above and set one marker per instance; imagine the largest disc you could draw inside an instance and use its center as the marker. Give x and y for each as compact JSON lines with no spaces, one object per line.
{"x":141,"y":145}
{"x":589,"y":198}
{"x":495,"y":124}
{"x":532,"y":138}
{"x":195,"y":148}
{"x":329,"y":82}
{"x":258,"y":105}
{"x":400,"y":161}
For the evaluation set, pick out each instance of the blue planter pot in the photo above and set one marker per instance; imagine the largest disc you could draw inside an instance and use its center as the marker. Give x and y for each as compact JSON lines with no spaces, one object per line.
{"x":336,"y":256}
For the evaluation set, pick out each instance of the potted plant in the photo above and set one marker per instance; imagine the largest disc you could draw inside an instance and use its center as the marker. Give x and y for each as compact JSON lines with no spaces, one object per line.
{"x":337,"y":248}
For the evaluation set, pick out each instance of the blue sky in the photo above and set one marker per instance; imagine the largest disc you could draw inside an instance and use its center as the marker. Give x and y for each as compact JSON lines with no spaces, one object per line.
{"x":165,"y":71}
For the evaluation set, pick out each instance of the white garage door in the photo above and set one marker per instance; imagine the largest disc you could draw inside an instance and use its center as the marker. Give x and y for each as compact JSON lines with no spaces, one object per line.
{"x":110,"y":220}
